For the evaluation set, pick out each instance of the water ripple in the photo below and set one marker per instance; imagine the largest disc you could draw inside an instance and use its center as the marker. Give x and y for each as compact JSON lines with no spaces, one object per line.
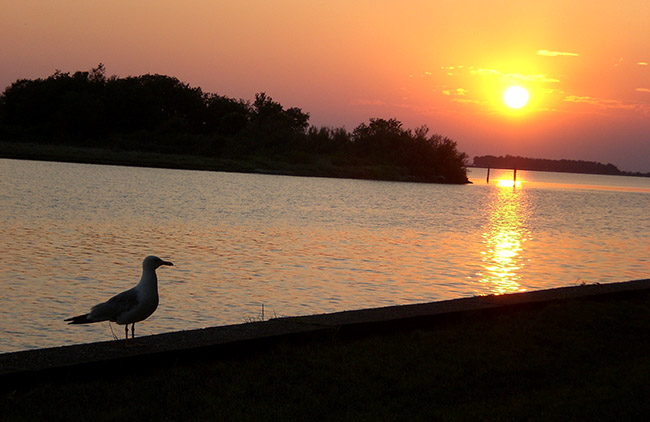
{"x":73,"y":235}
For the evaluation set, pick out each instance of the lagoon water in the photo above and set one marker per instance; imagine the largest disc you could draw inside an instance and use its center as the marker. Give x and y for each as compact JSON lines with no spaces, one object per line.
{"x":72,"y":235}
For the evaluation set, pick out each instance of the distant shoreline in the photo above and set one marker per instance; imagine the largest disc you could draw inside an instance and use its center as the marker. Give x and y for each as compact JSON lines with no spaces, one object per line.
{"x":106,"y":156}
{"x":509,"y":162}
{"x":254,"y":164}
{"x":622,"y":174}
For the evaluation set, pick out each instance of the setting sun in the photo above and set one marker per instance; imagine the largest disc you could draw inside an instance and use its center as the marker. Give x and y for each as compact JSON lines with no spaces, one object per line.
{"x":515,"y":97}
{"x":446,"y":65}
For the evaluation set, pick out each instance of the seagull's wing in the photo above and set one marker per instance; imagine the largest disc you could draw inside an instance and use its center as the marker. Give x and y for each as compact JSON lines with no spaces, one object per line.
{"x":115,"y":306}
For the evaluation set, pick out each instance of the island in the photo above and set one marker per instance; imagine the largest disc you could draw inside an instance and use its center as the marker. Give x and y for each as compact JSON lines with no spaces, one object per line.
{"x":157,"y":120}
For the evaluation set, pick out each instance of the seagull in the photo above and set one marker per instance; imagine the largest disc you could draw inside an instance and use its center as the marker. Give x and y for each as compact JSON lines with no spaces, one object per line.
{"x":131,"y":306}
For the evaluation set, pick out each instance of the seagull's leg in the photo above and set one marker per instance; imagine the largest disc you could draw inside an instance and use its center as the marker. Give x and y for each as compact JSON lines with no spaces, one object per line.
{"x":126,"y":341}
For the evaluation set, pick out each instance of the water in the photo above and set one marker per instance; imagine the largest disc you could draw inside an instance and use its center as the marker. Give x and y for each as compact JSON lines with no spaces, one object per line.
{"x":72,"y":235}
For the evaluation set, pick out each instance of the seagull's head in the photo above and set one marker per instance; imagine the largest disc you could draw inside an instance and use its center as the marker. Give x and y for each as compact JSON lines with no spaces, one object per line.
{"x":153,"y":262}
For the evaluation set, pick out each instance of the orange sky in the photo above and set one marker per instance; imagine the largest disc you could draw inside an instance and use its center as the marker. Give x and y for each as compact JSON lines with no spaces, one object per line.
{"x":443,"y":63}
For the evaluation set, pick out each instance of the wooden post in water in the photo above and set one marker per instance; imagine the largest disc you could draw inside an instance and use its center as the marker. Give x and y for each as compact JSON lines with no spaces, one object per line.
{"x":514,"y":180}
{"x":488,"y":176}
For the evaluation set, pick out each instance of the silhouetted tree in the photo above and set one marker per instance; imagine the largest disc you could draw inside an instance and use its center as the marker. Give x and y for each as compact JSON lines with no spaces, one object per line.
{"x":276,"y":128}
{"x":380,"y":139}
{"x":62,"y":104}
{"x":427,"y":157}
{"x":160,"y":113}
{"x":224,"y":115}
{"x":151,"y":102}
{"x":326,"y":140}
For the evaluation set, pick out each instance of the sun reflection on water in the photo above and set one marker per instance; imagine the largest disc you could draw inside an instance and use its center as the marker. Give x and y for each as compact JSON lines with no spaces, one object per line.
{"x":508,"y":183}
{"x":503,"y":238}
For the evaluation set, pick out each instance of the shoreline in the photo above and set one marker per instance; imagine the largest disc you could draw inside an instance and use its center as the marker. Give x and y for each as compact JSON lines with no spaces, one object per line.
{"x":576,"y":353}
{"x":166,"y":348}
{"x":253,"y":164}
{"x":108,"y":156}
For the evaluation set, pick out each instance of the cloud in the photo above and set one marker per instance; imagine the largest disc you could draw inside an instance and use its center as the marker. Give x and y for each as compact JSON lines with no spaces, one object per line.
{"x":514,"y":76}
{"x":603,"y":103}
{"x":532,"y":78}
{"x":600,"y":102}
{"x":485,"y":72}
{"x":643,"y":89}
{"x":467,"y":101}
{"x":458,"y":92}
{"x":642,"y":63}
{"x":549,"y":53}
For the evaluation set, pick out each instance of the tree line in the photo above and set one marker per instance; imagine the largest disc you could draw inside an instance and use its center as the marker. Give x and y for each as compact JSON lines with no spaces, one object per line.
{"x":540,"y":164}
{"x":159,"y":113}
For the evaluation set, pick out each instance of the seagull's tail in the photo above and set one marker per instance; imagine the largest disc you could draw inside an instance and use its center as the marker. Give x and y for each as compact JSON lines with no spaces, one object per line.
{"x":79,"y":319}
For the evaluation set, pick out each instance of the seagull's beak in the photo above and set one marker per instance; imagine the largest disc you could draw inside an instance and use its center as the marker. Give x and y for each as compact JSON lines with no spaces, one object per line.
{"x":167,"y":263}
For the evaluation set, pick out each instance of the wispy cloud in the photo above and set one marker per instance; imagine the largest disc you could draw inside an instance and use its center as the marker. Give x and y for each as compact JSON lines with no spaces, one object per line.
{"x":514,"y":76}
{"x":549,"y":53}
{"x":485,"y":72}
{"x":643,"y":89}
{"x":467,"y":101}
{"x":603,"y":103}
{"x":533,"y":78}
{"x":600,"y":102}
{"x":458,"y":92}
{"x":642,"y":63}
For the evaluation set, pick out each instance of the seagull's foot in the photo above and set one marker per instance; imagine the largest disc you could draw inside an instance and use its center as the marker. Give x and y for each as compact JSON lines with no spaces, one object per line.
{"x":130,"y":344}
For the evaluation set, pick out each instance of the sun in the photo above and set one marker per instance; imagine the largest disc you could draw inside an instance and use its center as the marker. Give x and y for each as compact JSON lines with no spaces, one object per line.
{"x":515,"y":97}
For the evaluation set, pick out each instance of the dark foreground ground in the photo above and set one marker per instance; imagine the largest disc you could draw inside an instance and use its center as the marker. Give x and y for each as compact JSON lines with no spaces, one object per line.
{"x":573,"y":359}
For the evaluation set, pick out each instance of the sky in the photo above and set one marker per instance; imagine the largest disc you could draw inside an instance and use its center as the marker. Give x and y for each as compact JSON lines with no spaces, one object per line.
{"x":444,"y":64}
